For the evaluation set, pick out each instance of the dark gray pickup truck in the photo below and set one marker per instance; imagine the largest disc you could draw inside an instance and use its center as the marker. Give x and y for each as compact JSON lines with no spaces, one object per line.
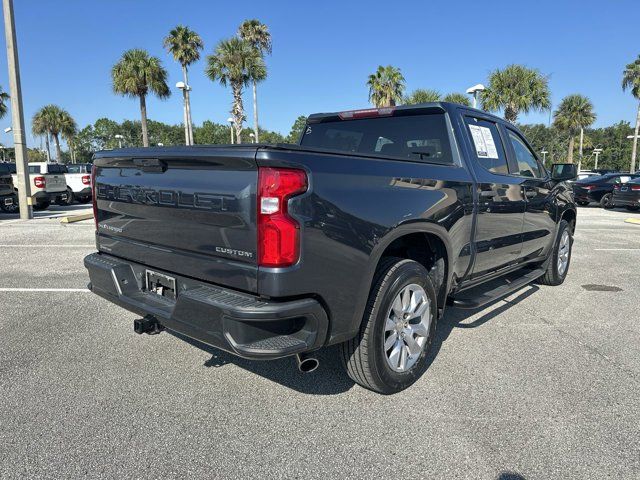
{"x":360,"y":235}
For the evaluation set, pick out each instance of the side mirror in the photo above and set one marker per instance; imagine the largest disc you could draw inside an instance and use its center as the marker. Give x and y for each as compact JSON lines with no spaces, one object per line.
{"x":561,"y":172}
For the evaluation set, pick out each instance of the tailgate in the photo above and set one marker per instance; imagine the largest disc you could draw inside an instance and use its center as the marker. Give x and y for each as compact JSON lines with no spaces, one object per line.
{"x":55,"y":182}
{"x":192,"y":214}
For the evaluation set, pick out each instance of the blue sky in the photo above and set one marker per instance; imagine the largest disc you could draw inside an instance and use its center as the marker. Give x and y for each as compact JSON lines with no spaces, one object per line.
{"x":323,"y":52}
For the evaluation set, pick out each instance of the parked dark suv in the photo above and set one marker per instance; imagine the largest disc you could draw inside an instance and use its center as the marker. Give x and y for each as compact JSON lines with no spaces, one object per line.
{"x":599,"y":189}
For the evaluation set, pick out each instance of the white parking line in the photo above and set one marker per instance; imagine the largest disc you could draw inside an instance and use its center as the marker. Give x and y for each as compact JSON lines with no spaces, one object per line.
{"x":83,"y":290}
{"x":47,"y":246}
{"x":615,"y":249}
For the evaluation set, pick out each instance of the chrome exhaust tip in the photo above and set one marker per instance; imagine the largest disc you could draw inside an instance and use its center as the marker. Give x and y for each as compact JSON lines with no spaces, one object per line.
{"x":306,"y":363}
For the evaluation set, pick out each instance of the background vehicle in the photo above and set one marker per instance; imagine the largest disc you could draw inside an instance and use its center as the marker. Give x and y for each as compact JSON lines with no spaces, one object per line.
{"x":627,"y":194}
{"x":581,"y":176}
{"x":48,"y":184}
{"x":358,"y":236}
{"x":8,"y":198}
{"x":599,"y":189}
{"x":78,"y":177}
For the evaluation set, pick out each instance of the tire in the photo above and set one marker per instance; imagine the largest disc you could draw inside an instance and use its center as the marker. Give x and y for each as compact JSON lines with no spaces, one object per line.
{"x":633,"y":208}
{"x":583,"y":204}
{"x":607,"y":201}
{"x":555,"y":275}
{"x":68,"y":201}
{"x":41,"y":206}
{"x":84,"y":199}
{"x":365,"y":357}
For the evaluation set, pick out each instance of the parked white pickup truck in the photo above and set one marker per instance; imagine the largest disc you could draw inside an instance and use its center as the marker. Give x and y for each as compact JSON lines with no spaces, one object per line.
{"x":48,"y":184}
{"x":78,"y":177}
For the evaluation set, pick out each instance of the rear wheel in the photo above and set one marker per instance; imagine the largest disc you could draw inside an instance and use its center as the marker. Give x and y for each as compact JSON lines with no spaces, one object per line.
{"x":84,"y":199}
{"x":583,"y":204}
{"x":633,"y":208}
{"x":390,"y":351}
{"x":41,"y":206}
{"x":607,"y":201}
{"x":560,"y":257}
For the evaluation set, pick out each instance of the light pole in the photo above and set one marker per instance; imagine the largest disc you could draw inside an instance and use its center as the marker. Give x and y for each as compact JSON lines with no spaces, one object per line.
{"x":633,"y":158}
{"x":230,"y":120}
{"x":17,"y":118}
{"x":253,"y":137}
{"x":474,"y":91}
{"x":188,"y":135}
{"x":596,"y":152}
{"x":119,"y":137}
{"x":544,"y":157}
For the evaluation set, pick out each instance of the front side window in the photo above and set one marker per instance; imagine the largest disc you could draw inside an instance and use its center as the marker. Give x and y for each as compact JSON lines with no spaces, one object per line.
{"x":526,"y":161}
{"x":487,"y":145}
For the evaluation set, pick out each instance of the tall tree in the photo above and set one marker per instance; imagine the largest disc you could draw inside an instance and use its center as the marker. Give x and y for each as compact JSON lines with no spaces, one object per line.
{"x":56,"y":122}
{"x":386,"y":86}
{"x":516,"y":89}
{"x":185,"y":45}
{"x":422,"y":95}
{"x":136,"y":75}
{"x":459,"y":98}
{"x":631,"y":81}
{"x":235,"y":62}
{"x":257,"y":34}
{"x":4,"y":98}
{"x":296,"y":129}
{"x":573,"y":113}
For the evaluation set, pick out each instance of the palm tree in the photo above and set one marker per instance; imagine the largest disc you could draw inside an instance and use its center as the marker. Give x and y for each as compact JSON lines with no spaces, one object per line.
{"x":422,"y":95}
{"x":386,"y":86}
{"x":4,"y":97}
{"x":257,"y":34}
{"x":54,"y":121}
{"x":137,"y":74}
{"x":575,"y":112}
{"x":235,"y":62}
{"x":459,"y":98}
{"x":185,"y":45}
{"x":631,"y":80}
{"x":516,"y":89}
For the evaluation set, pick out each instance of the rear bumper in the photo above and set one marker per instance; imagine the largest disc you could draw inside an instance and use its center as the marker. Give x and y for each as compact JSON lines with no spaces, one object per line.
{"x":239,"y":323}
{"x":51,"y":197}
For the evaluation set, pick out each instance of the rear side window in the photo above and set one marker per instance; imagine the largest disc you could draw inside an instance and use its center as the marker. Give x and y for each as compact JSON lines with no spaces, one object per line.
{"x":487,"y":145}
{"x":527,"y":165}
{"x":413,"y":137}
{"x":74,"y":169}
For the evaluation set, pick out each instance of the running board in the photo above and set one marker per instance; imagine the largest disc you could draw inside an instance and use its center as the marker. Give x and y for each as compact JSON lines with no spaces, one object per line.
{"x":470,"y":301}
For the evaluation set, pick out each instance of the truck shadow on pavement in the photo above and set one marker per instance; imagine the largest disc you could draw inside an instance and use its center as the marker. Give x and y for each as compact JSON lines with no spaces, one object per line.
{"x":330,"y":377}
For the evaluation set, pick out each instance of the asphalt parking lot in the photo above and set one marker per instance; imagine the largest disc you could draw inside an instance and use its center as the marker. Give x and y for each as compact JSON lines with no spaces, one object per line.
{"x":544,"y":384}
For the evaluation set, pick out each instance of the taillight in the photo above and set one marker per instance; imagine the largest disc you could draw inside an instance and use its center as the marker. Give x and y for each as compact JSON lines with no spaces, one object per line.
{"x":366,"y":113}
{"x":635,"y":188}
{"x":589,"y":187}
{"x":616,"y":187}
{"x":40,"y":182}
{"x":86,"y":179}
{"x":278,"y":233}
{"x":93,"y":196}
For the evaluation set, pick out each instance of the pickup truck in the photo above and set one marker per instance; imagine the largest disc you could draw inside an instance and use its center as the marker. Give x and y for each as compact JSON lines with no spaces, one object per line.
{"x":48,"y":184}
{"x":360,"y":235}
{"x":78,"y":177}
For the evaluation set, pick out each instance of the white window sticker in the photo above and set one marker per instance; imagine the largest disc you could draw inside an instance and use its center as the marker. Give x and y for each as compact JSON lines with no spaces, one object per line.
{"x":483,"y":141}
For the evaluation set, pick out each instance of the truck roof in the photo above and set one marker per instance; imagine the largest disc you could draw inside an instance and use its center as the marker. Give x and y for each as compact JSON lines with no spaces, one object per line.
{"x":416,"y":109}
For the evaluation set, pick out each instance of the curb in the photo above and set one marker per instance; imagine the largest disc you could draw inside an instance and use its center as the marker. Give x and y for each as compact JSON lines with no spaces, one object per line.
{"x":76,"y":218}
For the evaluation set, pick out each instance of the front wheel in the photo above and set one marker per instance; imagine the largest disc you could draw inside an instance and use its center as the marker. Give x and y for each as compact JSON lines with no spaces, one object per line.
{"x":390,"y":351}
{"x":607,"y":201}
{"x":560,"y":257}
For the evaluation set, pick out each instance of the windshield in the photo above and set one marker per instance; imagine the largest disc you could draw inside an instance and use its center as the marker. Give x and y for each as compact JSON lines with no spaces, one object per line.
{"x":415,"y":137}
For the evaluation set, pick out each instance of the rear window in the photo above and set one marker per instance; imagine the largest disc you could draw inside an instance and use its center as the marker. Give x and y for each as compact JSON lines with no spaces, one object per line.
{"x":5,"y":169}
{"x":415,"y":137}
{"x":74,"y":168}
{"x":34,"y":169}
